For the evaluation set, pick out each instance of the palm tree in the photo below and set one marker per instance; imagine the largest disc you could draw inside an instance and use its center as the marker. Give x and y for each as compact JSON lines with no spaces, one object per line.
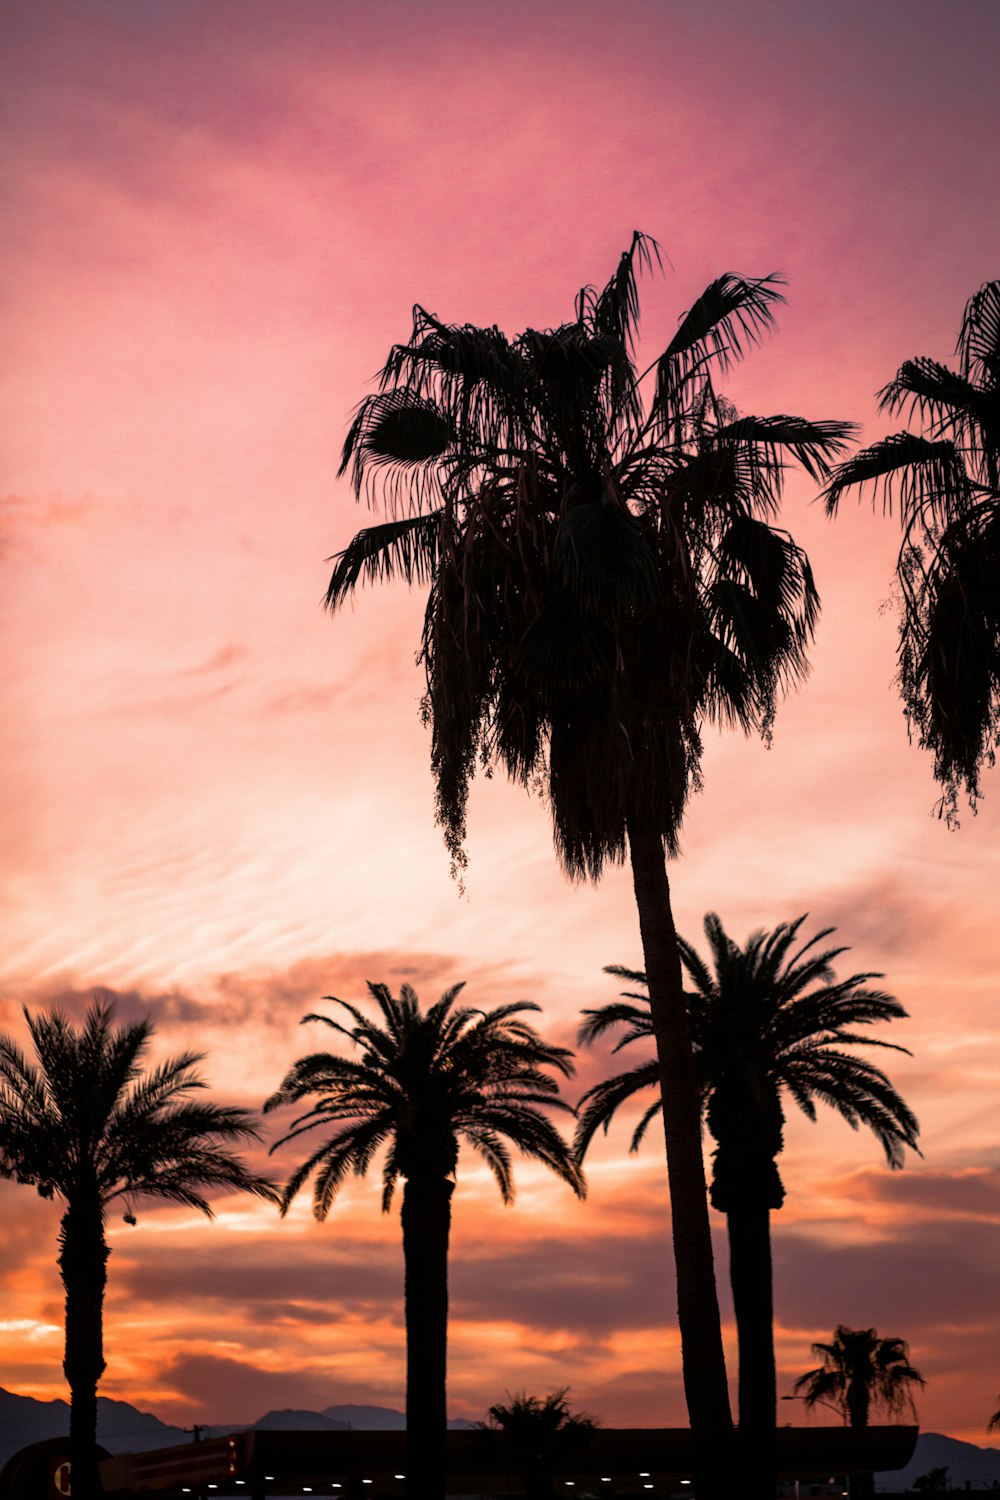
{"x":946,"y":482}
{"x":860,"y":1373}
{"x":769,"y":1019}
{"x":425,"y":1081}
{"x":537,"y":1438}
{"x":604,"y":575}
{"x":86,"y":1124}
{"x":993,"y":1425}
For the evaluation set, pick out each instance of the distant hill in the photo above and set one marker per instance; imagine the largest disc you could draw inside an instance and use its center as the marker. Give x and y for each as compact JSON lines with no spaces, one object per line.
{"x":121,"y":1428}
{"x":966,"y":1464}
{"x":298,"y":1421}
{"x":379,"y":1418}
{"x":367,"y":1418}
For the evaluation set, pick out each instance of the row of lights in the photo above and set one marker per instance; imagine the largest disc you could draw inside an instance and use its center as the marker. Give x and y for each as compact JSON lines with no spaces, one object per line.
{"x":606,"y":1479}
{"x":307,"y":1489}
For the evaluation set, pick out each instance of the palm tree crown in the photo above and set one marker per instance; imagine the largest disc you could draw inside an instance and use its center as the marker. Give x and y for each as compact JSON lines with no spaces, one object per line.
{"x":87,"y":1121}
{"x":423,"y":1082}
{"x":537,"y":1437}
{"x":604,"y":569}
{"x":860,"y":1371}
{"x":947,"y":485}
{"x":767,"y":1019}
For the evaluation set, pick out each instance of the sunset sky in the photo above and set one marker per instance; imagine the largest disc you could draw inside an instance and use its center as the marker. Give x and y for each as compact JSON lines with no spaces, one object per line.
{"x":217,"y":801}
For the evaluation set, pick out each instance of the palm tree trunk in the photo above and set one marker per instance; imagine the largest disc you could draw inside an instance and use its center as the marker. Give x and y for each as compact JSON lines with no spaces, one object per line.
{"x":426,"y":1226}
{"x":83,"y":1256}
{"x":702,"y":1355}
{"x":750,"y":1274}
{"x":862,"y":1486}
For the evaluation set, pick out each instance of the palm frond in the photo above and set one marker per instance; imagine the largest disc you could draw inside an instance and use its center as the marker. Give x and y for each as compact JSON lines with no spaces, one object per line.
{"x":408,"y":548}
{"x":598,"y":1106}
{"x":615,"y":311}
{"x":812,"y":444}
{"x":923,"y":388}
{"x":979,"y":340}
{"x":926,"y":477}
{"x":730,"y":315}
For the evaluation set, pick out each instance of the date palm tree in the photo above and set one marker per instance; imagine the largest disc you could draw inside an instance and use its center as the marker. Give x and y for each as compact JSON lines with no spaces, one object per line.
{"x":86,"y":1124}
{"x":424,"y":1082}
{"x":768,"y":1020}
{"x":605,"y":575}
{"x":537,"y":1437}
{"x":946,"y":482}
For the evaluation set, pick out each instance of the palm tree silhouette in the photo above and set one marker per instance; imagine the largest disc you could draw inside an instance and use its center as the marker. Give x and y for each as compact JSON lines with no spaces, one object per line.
{"x":604,"y":575}
{"x":537,"y":1438}
{"x":769,"y":1019}
{"x":86,"y":1124}
{"x":993,"y":1425}
{"x":426,"y":1080}
{"x":860,"y":1373}
{"x":947,"y":485}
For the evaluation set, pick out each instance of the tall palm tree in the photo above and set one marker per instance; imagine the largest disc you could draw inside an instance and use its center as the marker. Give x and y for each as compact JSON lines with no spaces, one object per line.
{"x":85,"y":1123}
{"x":993,"y":1425}
{"x":424,"y":1081}
{"x":604,"y":575}
{"x":946,"y":482}
{"x":768,"y":1019}
{"x":537,"y":1438}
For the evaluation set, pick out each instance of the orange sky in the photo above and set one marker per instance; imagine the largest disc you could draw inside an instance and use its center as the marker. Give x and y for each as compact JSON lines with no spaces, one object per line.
{"x":217,"y":801}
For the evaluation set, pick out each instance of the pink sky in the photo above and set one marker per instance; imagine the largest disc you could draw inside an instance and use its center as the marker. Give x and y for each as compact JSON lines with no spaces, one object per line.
{"x":217,"y":801}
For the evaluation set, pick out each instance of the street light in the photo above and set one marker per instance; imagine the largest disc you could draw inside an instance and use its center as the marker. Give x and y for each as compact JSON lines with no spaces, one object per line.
{"x":817,"y":1401}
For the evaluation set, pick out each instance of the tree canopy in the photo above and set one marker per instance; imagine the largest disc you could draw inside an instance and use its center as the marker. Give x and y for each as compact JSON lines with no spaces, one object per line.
{"x":946,"y":484}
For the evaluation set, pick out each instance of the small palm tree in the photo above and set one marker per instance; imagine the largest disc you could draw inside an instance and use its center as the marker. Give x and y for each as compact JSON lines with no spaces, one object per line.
{"x":605,"y":575}
{"x":86,"y":1124}
{"x":947,"y":485}
{"x":537,"y":1438}
{"x":993,"y":1425}
{"x":768,"y":1019}
{"x":425,"y":1081}
{"x":861,"y":1373}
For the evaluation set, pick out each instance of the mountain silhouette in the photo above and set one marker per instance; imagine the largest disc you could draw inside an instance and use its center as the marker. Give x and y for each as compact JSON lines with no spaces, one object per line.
{"x":966,"y":1464}
{"x":123,"y":1428}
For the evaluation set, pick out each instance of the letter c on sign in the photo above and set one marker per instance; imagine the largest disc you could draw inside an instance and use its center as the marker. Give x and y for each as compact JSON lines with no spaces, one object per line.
{"x":60,"y":1480}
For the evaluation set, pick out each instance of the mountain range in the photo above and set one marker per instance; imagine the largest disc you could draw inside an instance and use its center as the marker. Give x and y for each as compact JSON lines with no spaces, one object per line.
{"x":122,"y":1428}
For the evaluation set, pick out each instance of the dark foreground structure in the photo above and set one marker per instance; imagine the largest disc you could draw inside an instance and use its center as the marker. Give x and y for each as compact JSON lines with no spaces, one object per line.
{"x":639,"y":1463}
